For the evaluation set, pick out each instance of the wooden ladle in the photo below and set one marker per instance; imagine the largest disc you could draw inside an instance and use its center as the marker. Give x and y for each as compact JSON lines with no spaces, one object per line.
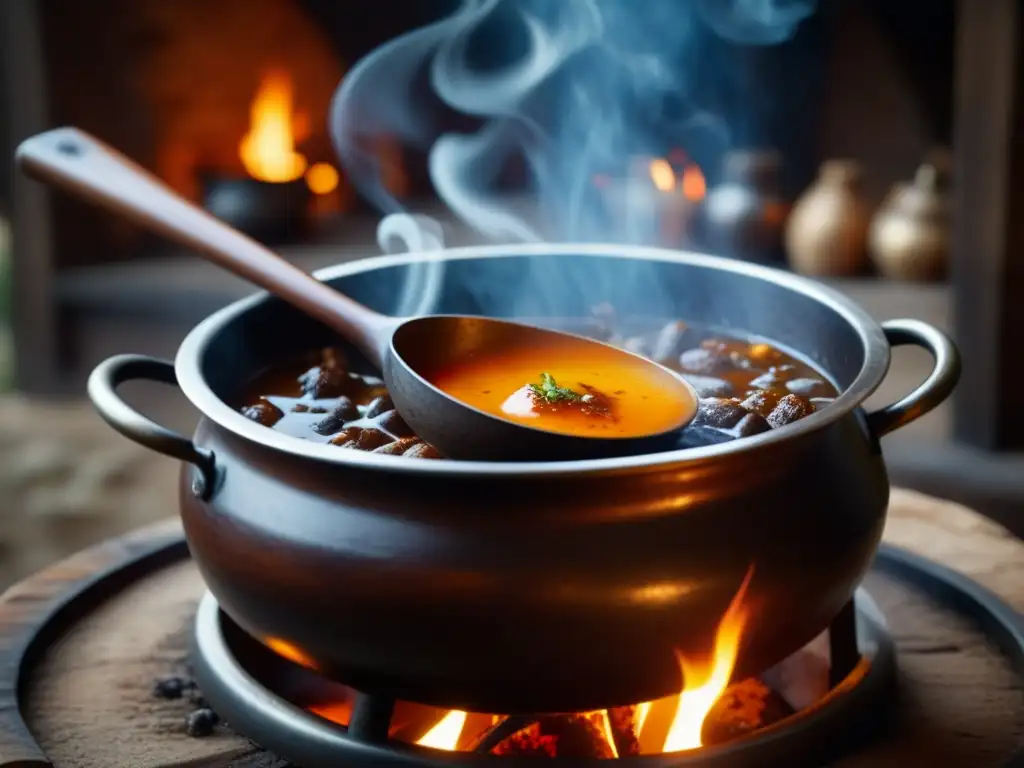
{"x":402,"y":348}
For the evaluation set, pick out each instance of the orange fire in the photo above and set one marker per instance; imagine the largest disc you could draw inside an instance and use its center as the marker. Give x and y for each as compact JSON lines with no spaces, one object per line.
{"x":290,"y":651}
{"x":268,"y":149}
{"x":606,"y":729}
{"x":696,"y":701}
{"x":445,"y":735}
{"x":705,"y":682}
{"x":690,"y":181}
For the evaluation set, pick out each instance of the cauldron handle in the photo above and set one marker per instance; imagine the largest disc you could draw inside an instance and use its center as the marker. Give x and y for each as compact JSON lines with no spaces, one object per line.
{"x":102,"y":388}
{"x":933,"y":390}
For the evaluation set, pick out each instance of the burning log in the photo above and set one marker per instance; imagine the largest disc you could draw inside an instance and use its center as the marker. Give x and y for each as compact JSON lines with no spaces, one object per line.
{"x":743,"y":708}
{"x":625,"y":723}
{"x":557,"y":736}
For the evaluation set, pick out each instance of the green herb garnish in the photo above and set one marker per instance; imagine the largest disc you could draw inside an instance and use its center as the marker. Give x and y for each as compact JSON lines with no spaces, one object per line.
{"x":550,"y":392}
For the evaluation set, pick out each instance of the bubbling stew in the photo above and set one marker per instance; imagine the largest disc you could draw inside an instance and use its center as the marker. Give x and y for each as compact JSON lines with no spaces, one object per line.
{"x":746,"y":386}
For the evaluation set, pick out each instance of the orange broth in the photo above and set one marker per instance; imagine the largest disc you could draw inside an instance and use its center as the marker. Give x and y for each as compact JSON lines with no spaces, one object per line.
{"x":611,"y":394}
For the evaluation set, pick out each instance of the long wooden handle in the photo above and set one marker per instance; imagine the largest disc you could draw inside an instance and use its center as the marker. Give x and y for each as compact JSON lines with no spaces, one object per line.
{"x":83,"y":165}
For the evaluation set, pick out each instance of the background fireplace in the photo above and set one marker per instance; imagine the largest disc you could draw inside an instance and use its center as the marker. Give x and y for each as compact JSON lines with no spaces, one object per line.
{"x":173,"y":85}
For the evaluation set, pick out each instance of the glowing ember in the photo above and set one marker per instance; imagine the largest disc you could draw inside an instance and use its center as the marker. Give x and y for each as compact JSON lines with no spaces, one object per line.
{"x":268,"y":149}
{"x":445,"y":735}
{"x":322,"y":179}
{"x":339,"y":712}
{"x":662,"y":175}
{"x":696,"y":700}
{"x":694,"y":186}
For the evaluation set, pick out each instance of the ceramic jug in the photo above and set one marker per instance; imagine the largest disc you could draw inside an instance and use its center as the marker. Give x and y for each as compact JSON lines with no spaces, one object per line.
{"x":827,"y":232}
{"x":909,"y":238}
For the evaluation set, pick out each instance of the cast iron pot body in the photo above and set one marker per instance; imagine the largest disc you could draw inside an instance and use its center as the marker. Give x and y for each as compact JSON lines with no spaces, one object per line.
{"x":534,"y":587}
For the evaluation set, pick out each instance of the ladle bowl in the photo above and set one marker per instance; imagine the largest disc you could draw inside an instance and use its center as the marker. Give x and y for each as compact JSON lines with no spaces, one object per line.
{"x":402,"y":348}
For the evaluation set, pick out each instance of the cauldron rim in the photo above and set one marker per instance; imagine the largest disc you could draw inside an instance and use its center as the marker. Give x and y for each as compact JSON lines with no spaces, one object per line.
{"x":875,"y":346}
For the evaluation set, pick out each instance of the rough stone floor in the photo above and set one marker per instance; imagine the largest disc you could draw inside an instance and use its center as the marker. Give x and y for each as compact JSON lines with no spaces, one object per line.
{"x":67,"y":480}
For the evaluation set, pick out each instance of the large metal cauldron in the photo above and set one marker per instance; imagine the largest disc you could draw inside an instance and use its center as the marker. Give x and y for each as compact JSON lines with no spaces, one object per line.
{"x":535,"y":587}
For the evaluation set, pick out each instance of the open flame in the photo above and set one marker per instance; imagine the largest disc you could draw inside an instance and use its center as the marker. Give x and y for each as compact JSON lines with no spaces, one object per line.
{"x":290,"y":651}
{"x":268,"y":149}
{"x":445,"y":735}
{"x":689,"y":181}
{"x":705,"y":682}
{"x":696,"y":701}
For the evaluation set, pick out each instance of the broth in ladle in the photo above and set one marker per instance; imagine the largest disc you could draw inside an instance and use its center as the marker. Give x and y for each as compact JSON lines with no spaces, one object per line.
{"x":745,"y":387}
{"x":570,"y":388}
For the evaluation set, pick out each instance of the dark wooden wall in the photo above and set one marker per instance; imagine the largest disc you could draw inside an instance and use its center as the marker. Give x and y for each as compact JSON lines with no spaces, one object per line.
{"x":988,"y":266}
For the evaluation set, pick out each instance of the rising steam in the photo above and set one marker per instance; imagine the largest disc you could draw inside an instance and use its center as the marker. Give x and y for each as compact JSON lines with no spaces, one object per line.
{"x":572,"y":88}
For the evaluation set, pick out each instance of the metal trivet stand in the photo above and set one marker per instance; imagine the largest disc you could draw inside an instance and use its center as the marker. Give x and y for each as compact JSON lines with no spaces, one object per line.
{"x":863,"y":676}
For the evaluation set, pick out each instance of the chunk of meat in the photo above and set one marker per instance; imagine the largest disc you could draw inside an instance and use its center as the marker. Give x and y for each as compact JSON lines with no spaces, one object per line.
{"x":319,"y":382}
{"x":347,"y":438}
{"x":342,"y":413}
{"x":422,"y":450}
{"x":377,"y":406}
{"x":751,"y":424}
{"x":762,"y":402}
{"x":371,"y":438}
{"x":263,"y":412}
{"x":393,"y":423}
{"x":397,"y":447}
{"x":789,"y":409}
{"x":720,"y":413}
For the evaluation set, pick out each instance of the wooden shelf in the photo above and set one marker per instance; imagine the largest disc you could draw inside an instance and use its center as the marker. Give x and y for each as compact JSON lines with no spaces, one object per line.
{"x":158,"y":287}
{"x":177,"y":284}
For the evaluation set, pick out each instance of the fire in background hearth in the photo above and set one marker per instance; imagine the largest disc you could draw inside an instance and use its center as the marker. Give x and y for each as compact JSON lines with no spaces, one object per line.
{"x":215,"y":73}
{"x":178,"y":86}
{"x":658,"y":200}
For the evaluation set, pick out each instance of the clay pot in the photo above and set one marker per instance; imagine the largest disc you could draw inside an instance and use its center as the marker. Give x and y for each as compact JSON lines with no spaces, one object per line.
{"x":828,"y":230}
{"x":745,"y":213}
{"x":909,"y":238}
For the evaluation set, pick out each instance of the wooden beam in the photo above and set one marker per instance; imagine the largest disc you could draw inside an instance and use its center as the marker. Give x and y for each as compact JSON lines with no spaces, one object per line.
{"x":23,"y":111}
{"x":988,"y":249}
